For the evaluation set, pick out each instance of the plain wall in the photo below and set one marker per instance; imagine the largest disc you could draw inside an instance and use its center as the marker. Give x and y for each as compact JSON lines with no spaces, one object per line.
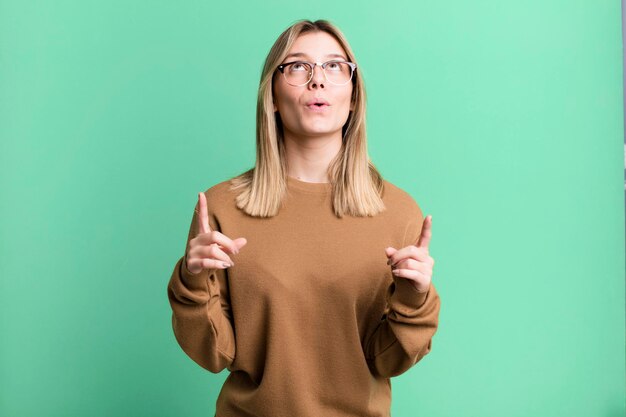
{"x":504,"y":120}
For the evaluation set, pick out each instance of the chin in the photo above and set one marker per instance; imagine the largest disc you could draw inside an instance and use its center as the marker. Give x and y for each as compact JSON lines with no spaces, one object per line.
{"x":320,"y":129}
{"x":321,"y":132}
{"x":314,"y":129}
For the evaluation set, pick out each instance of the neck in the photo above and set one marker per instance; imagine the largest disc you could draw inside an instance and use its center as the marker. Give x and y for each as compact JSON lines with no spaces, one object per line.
{"x":308,"y":158}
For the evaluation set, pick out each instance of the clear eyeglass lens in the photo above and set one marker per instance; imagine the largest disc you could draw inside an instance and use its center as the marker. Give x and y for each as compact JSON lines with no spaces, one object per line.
{"x":299,"y":73}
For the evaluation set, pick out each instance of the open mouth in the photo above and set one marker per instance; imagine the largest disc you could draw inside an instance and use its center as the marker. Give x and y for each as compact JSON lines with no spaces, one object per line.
{"x":318,"y":108}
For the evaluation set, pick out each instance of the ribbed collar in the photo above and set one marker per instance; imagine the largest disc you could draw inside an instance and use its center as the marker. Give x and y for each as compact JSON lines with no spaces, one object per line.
{"x":309,"y":187}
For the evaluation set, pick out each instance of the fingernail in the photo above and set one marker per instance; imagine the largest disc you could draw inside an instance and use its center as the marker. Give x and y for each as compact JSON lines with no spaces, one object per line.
{"x":226,"y":264}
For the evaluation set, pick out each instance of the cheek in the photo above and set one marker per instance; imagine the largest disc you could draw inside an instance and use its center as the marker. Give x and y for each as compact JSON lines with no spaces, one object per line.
{"x":283,"y":101}
{"x":290,"y":115}
{"x":345,"y":105}
{"x":346,"y":99}
{"x":286,"y":108}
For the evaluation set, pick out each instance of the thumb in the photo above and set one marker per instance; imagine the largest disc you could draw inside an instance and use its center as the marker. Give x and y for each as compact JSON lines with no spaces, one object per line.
{"x":240,"y":242}
{"x":390,"y":251}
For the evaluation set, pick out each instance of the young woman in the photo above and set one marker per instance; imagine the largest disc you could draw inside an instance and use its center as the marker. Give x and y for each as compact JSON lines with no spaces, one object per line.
{"x":308,"y":277}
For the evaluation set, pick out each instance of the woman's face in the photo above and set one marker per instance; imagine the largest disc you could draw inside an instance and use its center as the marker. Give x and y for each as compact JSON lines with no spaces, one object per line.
{"x":297,"y":117}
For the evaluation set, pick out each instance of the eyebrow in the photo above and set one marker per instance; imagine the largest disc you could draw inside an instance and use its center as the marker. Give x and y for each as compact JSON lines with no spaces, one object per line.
{"x":302,"y":54}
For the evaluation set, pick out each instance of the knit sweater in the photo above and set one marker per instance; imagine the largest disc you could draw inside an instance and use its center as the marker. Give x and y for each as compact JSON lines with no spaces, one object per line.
{"x":309,"y":321}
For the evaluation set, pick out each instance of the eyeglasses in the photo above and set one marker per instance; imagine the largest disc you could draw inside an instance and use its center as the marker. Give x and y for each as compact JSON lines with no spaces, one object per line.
{"x":299,"y":73}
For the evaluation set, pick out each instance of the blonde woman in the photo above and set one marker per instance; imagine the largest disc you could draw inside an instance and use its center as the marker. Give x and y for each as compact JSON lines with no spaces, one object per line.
{"x":308,"y":276}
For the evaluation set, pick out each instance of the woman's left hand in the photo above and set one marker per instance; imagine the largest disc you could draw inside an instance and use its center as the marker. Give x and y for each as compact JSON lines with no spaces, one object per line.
{"x":413,"y":262}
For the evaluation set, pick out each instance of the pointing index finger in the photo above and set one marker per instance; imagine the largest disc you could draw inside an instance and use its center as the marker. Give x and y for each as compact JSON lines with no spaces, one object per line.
{"x":203,"y":216}
{"x":426,"y":233}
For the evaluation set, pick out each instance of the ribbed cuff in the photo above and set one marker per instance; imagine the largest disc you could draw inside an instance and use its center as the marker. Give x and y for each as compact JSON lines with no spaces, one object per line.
{"x":406,"y":297}
{"x":193,"y":282}
{"x":202,"y":281}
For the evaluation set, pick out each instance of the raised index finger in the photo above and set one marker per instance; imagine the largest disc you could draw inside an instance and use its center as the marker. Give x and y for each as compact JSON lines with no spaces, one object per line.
{"x":203,"y":216}
{"x":426,"y":233}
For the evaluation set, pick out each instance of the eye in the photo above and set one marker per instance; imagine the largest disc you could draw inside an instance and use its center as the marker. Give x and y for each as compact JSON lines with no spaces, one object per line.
{"x":334,"y":66}
{"x":299,"y":66}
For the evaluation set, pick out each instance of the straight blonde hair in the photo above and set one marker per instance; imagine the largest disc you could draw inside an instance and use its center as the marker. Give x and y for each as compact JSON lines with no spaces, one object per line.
{"x":357,"y":186}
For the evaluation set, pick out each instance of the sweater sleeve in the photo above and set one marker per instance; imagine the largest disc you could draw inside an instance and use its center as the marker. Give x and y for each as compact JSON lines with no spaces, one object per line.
{"x":404,"y":334}
{"x":201,"y":313}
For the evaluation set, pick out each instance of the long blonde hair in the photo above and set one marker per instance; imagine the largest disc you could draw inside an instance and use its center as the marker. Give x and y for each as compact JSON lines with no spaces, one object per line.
{"x":357,"y":186}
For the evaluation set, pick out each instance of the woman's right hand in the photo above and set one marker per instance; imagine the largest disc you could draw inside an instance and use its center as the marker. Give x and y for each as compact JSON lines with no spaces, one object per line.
{"x":210,"y":248}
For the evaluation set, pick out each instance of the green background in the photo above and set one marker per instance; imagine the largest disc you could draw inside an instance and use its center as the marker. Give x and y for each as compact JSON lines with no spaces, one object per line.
{"x":502,"y":119}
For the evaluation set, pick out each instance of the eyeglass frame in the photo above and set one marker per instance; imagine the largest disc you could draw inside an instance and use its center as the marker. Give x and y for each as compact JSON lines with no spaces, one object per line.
{"x":352,"y":66}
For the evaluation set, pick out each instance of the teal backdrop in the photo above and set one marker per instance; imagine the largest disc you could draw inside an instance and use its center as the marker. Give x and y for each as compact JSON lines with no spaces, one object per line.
{"x":502,"y":119}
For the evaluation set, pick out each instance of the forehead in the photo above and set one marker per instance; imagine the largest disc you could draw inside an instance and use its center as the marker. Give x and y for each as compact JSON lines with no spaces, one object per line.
{"x":316,"y":46}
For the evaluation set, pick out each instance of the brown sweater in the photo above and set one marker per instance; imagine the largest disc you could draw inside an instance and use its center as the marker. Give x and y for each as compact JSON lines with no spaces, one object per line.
{"x":310,"y":320}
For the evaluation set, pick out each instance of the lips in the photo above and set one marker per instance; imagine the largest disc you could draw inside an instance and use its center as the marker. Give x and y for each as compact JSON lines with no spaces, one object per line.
{"x":317,"y":103}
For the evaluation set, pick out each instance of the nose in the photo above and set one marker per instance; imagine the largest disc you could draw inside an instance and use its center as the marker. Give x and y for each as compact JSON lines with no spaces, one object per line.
{"x":318,"y":78}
